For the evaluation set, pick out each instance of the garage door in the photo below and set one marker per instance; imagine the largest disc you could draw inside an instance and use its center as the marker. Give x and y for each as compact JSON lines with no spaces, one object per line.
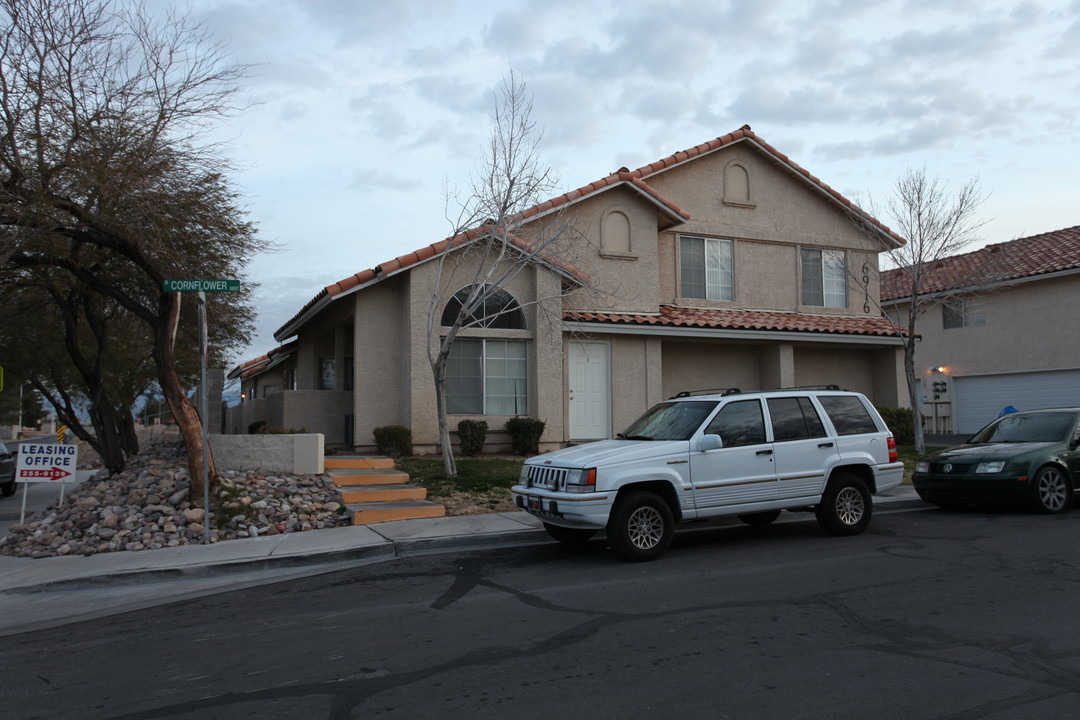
{"x":980,"y":398}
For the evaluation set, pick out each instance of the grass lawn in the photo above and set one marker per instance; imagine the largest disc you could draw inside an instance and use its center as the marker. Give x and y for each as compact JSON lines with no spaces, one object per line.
{"x":482,"y":477}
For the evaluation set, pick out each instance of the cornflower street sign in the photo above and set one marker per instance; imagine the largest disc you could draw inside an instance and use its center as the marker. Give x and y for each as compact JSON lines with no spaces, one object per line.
{"x":202,"y":285}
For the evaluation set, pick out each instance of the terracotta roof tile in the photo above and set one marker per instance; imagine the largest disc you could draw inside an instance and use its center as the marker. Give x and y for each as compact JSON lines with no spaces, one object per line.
{"x":634,"y":179}
{"x":1027,"y":257}
{"x":672,"y":316}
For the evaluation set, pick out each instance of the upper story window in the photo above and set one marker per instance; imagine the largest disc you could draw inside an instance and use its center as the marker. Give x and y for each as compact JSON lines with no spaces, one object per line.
{"x":962,"y":312}
{"x":498,"y":310}
{"x":824,"y":278}
{"x":706,"y":268}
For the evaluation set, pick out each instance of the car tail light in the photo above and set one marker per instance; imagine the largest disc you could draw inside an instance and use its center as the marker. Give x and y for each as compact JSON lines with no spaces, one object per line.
{"x":892,"y":449}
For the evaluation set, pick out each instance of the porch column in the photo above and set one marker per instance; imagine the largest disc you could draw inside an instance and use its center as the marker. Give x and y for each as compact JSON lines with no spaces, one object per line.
{"x":777,"y":366}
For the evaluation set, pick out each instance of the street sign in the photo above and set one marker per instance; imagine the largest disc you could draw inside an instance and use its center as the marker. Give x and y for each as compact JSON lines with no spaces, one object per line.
{"x":202,"y":285}
{"x":39,"y":462}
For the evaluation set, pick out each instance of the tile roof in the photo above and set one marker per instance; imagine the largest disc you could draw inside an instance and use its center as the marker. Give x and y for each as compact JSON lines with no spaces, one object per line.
{"x":264,"y":362}
{"x":672,"y":316}
{"x":632,"y":180}
{"x":1028,"y":257}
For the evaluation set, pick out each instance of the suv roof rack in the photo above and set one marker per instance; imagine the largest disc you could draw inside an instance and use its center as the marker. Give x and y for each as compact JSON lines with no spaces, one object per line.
{"x":812,"y":387}
{"x":707,"y":391}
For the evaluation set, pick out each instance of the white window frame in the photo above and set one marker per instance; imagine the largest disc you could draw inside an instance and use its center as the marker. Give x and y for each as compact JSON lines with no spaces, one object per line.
{"x":833,"y":285}
{"x":718,"y":255}
{"x":493,"y":378}
{"x":969,"y":312}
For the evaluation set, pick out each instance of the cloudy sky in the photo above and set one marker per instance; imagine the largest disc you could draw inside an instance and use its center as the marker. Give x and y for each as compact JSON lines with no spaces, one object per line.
{"x":364,"y":110}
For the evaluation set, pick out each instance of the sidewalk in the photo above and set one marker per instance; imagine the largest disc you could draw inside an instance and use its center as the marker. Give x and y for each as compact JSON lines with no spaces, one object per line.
{"x":361,"y":543}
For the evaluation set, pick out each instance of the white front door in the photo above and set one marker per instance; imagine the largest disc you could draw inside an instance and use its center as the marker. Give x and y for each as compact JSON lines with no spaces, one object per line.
{"x":590,"y":391}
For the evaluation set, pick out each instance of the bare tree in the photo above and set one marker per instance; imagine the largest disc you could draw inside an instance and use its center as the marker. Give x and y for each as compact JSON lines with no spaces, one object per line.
{"x":936,"y":224}
{"x":491,"y":245}
{"x":102,"y":117}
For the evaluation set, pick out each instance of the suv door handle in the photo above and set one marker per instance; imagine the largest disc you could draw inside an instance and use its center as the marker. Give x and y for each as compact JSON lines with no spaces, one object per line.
{"x":825,"y":445}
{"x":764,"y":452}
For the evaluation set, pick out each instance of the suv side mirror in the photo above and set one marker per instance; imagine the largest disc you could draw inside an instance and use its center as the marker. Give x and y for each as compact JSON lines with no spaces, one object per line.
{"x":711,"y":442}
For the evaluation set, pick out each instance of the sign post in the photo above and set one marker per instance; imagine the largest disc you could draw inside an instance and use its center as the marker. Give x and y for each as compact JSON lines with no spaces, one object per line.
{"x":202,"y":287}
{"x":45,"y":463}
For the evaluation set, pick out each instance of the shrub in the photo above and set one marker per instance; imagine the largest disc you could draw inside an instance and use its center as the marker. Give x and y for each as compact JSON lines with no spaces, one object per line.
{"x":393,"y":440}
{"x":254,"y":427}
{"x":525,"y":434}
{"x":472,"y":434}
{"x":900,"y":422}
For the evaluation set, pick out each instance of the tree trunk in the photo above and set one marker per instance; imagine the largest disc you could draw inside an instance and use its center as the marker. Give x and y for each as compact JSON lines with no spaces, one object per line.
{"x":187,"y":417}
{"x":449,"y":463}
{"x":108,"y":441}
{"x":913,"y":396}
{"x":129,"y":438}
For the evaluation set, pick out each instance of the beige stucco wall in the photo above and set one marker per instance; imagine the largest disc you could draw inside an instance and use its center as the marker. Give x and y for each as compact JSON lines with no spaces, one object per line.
{"x":381,"y":351}
{"x":784,"y":214}
{"x":1026,"y":330}
{"x":543,"y":333}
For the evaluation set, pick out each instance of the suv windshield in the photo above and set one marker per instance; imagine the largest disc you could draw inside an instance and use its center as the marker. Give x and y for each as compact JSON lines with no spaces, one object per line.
{"x":670,"y":421}
{"x":1044,"y":427}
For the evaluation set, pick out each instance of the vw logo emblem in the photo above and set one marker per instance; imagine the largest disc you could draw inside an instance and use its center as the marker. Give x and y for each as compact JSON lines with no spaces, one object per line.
{"x":947,"y":468}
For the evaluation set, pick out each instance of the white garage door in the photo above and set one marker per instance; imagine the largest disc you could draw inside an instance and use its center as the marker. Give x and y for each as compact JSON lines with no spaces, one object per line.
{"x":980,"y":398}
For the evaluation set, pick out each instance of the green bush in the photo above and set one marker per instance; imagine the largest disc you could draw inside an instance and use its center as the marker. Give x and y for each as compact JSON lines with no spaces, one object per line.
{"x":525,"y":434}
{"x":255,"y":426}
{"x":471,"y":435}
{"x":900,"y":422}
{"x":393,"y":440}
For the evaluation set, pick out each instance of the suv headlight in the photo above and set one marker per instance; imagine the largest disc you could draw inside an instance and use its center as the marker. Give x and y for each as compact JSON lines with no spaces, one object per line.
{"x":922,"y":466}
{"x":581,"y":481}
{"x":990,"y":467}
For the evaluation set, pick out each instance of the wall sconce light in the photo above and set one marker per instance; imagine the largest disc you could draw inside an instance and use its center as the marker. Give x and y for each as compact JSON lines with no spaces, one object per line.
{"x":937,"y":369}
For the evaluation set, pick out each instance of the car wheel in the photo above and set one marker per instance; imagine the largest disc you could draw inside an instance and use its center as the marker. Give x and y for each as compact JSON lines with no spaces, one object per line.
{"x":569,"y":536}
{"x":761,"y":518}
{"x":641,"y":526}
{"x":1052,"y":493}
{"x":846,"y":506}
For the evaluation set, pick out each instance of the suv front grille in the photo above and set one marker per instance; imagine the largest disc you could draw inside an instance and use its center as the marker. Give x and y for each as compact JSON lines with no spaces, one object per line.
{"x":546,"y":477}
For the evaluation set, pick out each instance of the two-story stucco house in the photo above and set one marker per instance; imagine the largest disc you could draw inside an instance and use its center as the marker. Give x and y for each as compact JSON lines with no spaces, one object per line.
{"x":998,"y":330}
{"x":725,"y":265}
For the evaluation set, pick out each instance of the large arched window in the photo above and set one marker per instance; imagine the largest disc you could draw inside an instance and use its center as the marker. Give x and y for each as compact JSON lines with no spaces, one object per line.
{"x":498,"y":309}
{"x":484,"y":375}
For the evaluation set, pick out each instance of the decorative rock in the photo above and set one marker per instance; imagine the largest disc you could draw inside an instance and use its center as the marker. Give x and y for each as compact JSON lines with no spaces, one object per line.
{"x":146,"y":507}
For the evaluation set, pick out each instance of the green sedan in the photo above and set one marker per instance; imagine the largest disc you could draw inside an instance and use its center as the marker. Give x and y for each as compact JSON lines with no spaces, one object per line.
{"x":1026,"y":459}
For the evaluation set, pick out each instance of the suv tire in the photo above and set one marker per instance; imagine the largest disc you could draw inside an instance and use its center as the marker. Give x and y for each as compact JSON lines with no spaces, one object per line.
{"x":845,"y":507}
{"x":641,"y":526}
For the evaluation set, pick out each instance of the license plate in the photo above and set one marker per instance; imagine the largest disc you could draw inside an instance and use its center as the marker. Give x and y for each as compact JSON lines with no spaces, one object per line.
{"x":535,"y":503}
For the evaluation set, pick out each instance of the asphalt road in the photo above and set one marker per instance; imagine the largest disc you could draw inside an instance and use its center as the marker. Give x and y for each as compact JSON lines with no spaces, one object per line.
{"x":927,"y":615}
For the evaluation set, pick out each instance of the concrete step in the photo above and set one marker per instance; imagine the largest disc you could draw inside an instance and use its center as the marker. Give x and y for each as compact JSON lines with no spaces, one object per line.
{"x":367,"y":513}
{"x":337,"y":462}
{"x":367,"y":476}
{"x":381,"y":493}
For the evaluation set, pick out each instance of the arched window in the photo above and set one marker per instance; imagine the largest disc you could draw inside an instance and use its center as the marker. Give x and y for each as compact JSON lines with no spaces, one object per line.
{"x":736,"y":185}
{"x":498,"y":309}
{"x":615,"y":232}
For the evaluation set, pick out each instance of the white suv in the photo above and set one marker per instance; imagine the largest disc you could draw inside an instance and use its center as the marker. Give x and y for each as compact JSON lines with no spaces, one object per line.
{"x":700,"y":456}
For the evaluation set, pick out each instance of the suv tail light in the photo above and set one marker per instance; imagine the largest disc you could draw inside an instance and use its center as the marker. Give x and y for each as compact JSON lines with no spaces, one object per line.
{"x":892,"y":449}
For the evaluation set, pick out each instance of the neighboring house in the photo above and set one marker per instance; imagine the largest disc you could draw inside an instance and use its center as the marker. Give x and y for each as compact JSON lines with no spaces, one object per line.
{"x":726,"y":265}
{"x":1000,"y":329}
